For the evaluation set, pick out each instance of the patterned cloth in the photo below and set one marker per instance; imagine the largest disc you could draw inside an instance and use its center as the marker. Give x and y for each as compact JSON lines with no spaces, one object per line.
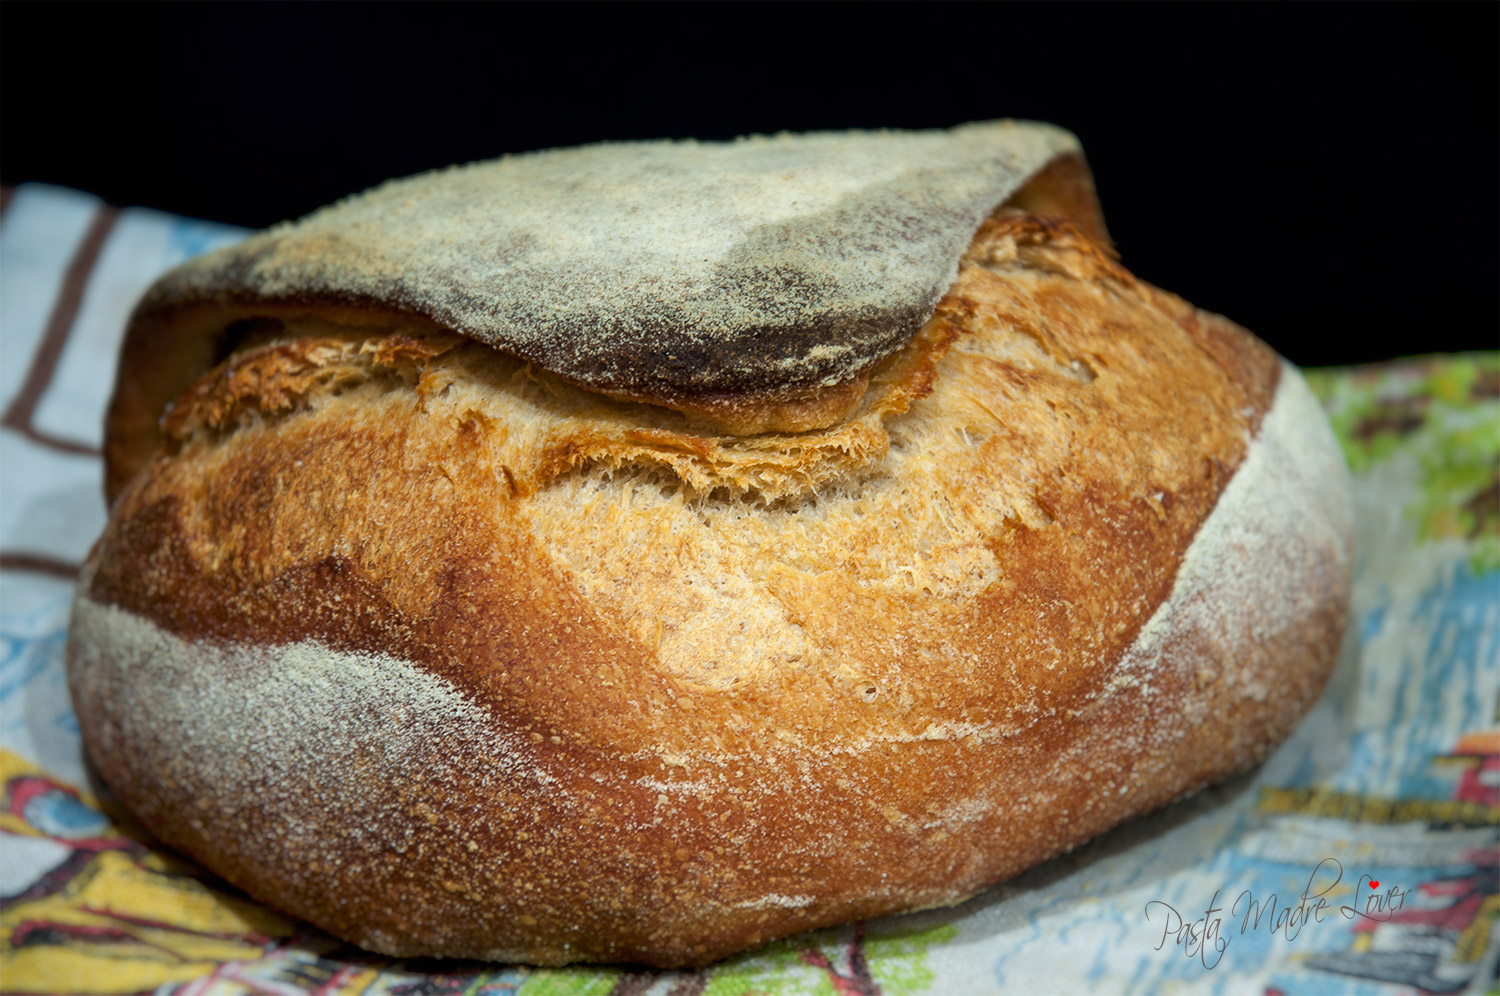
{"x":1361,"y":858}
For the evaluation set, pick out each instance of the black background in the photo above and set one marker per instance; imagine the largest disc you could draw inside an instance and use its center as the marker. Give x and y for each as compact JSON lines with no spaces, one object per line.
{"x":1324,"y":174}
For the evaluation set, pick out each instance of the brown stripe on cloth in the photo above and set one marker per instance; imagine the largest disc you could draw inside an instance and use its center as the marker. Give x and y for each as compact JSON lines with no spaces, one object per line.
{"x":64,"y":310}
{"x":691,"y":984}
{"x":38,"y":565}
{"x":6,"y":194}
{"x":634,"y":984}
{"x":640,"y":983}
{"x":56,"y":442}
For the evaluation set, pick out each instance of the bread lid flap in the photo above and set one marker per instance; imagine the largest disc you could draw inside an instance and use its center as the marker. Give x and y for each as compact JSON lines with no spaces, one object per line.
{"x":658,"y":269}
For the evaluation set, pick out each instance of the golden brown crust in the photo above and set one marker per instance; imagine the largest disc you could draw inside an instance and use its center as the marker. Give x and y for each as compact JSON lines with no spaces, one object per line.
{"x":1064,"y":189}
{"x":748,"y":686}
{"x":166,"y":352}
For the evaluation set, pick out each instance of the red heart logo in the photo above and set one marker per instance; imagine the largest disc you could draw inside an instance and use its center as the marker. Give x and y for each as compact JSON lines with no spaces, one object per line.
{"x":1374,"y":884}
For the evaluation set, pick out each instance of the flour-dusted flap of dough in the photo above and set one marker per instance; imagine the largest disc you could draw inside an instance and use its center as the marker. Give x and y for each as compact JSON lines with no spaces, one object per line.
{"x":658,"y":269}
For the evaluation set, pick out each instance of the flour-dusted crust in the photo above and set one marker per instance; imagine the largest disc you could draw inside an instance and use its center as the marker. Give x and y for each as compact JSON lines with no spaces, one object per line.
{"x":449,"y":656}
{"x":752,"y":283}
{"x":661,"y":267}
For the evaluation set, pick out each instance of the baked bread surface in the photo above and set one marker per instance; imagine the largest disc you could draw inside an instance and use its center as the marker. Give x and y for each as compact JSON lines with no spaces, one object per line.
{"x":414,"y":640}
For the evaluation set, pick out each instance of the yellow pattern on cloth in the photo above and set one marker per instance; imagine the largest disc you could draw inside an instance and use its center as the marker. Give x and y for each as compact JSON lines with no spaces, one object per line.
{"x":124,"y":918}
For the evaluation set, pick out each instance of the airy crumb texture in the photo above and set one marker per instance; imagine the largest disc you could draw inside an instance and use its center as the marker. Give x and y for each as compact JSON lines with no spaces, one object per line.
{"x":447,"y":656}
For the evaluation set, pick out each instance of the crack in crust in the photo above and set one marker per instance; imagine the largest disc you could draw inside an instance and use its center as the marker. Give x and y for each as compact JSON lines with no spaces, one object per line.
{"x":283,"y":368}
{"x":177,"y":333}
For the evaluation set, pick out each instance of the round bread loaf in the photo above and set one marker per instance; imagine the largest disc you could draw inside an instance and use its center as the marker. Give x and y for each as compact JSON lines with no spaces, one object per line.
{"x":451,"y":655}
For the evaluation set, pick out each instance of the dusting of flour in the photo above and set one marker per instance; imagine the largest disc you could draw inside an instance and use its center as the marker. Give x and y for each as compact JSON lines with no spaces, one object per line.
{"x":279,"y":724}
{"x":660,"y":268}
{"x":1232,"y":579}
